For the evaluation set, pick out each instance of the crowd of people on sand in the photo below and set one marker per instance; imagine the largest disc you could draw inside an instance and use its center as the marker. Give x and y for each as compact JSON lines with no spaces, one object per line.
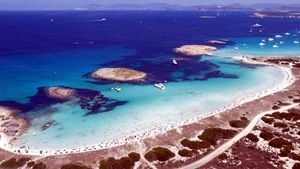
{"x":156,"y":129}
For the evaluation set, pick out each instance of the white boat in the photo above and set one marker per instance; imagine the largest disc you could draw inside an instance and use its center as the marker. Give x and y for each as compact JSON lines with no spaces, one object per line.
{"x":174,"y":62}
{"x":270,"y":39}
{"x":160,"y":86}
{"x":257,"y":25}
{"x":103,"y":19}
{"x":296,"y":42}
{"x":118,"y":89}
{"x":287,"y":33}
{"x":236,"y":48}
{"x":281,"y":42}
{"x":262,"y":44}
{"x":275,"y":46}
{"x":278,"y":36}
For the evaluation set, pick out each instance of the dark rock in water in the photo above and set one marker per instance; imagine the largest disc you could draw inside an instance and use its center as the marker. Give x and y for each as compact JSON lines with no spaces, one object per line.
{"x":91,"y":100}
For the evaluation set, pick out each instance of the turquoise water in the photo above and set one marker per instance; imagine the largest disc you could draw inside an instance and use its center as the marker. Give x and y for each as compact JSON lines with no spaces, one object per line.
{"x":250,"y":46}
{"x":147,"y":107}
{"x":35,"y":53}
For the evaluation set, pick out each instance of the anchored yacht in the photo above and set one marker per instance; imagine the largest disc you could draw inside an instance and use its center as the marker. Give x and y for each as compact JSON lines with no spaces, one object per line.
{"x":160,"y":86}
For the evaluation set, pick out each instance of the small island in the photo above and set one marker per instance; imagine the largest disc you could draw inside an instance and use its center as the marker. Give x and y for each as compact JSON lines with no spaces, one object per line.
{"x":195,"y":50}
{"x":60,"y":93}
{"x":277,"y":15}
{"x":118,"y":74}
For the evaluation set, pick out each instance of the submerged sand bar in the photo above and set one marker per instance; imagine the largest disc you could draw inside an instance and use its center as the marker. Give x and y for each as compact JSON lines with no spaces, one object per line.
{"x":118,"y":74}
{"x":195,"y":50}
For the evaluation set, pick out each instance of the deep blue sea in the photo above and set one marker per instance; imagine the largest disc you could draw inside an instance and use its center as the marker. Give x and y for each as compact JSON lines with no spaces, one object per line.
{"x":59,"y":48}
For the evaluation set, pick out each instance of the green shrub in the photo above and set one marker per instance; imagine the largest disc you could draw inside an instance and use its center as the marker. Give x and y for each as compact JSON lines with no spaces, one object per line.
{"x":275,"y":107}
{"x":252,"y":137}
{"x":39,"y":165}
{"x":294,"y":156}
{"x":280,"y":125}
{"x":266,"y":135}
{"x":134,"y":156}
{"x":296,"y":166}
{"x":14,"y":163}
{"x":284,"y":152}
{"x":187,"y":153}
{"x":30,"y":164}
{"x":223,"y":156}
{"x":280,"y":143}
{"x":160,"y":154}
{"x":112,"y":163}
{"x":74,"y":166}
{"x":151,"y":156}
{"x":195,"y":145}
{"x":212,"y":135}
{"x":268,"y":120}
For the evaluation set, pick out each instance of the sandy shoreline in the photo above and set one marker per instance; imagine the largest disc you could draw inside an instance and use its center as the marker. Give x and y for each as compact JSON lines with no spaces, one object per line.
{"x":156,"y":130}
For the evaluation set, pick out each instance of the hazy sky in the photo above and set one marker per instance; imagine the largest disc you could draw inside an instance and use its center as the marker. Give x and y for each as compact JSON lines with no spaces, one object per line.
{"x":70,"y":4}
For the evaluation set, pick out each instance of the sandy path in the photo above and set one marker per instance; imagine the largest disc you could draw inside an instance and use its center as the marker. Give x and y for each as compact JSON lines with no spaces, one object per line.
{"x":232,"y":141}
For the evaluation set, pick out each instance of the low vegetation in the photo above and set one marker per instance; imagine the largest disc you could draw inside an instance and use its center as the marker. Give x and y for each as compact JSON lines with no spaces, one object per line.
{"x":296,"y":166}
{"x":159,"y":154}
{"x":122,"y":163}
{"x":212,"y":135}
{"x":266,"y":135}
{"x":293,"y":114}
{"x":242,"y":123}
{"x":187,"y":153}
{"x":14,"y":163}
{"x":39,"y":165}
{"x":280,"y":143}
{"x":134,"y":156}
{"x":284,"y":152}
{"x":74,"y":166}
{"x":223,"y":156}
{"x":280,"y":125}
{"x":252,"y":137}
{"x":268,"y":120}
{"x":195,"y":145}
